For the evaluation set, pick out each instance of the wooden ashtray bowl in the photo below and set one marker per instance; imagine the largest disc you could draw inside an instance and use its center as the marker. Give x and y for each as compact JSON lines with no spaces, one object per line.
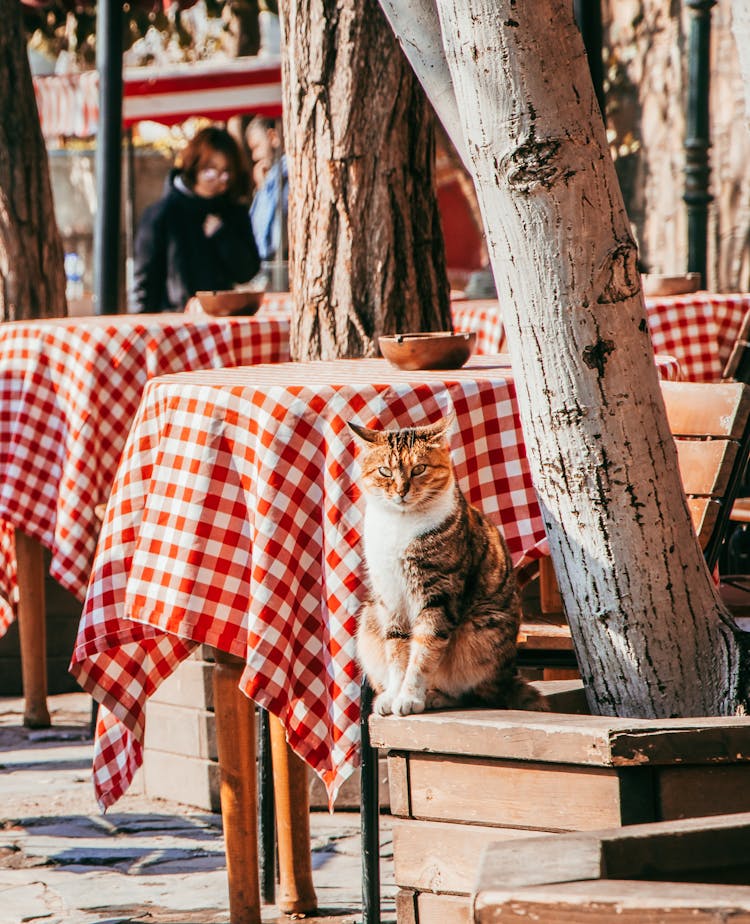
{"x":230,"y":301}
{"x":657,"y":284}
{"x":438,"y":350}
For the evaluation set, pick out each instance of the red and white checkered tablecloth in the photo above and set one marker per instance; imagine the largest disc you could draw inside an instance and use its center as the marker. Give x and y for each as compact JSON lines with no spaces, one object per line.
{"x":698,"y":329}
{"x":69,"y":389}
{"x":484,"y":318}
{"x":479,"y":315}
{"x":235,"y":520}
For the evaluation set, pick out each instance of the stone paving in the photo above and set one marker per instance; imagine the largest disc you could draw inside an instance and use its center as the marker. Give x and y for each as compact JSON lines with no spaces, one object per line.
{"x":147,"y":861}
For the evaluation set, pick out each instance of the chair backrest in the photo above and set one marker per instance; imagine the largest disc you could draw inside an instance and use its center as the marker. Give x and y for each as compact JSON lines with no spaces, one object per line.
{"x":711,"y":426}
{"x":737,"y":368}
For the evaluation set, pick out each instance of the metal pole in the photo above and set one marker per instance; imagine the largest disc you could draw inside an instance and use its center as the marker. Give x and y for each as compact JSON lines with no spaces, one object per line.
{"x":369,"y":816}
{"x":588,"y":15}
{"x":109,"y":29}
{"x":130,"y":228}
{"x":697,"y":140}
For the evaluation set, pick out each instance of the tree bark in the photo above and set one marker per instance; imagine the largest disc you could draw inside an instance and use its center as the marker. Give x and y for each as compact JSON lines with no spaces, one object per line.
{"x":644,"y":615}
{"x":32,"y":275}
{"x":741,"y":32}
{"x":366,"y":251}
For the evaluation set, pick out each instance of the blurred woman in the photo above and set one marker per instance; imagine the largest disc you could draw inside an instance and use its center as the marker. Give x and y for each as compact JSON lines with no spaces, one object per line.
{"x":198,"y":236}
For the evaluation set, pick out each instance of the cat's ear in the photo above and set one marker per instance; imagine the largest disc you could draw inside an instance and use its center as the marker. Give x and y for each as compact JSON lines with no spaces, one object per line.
{"x":364,"y":435}
{"x":438,"y":432}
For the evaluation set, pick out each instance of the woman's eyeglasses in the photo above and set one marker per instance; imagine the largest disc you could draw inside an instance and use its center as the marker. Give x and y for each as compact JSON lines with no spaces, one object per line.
{"x":211,"y":175}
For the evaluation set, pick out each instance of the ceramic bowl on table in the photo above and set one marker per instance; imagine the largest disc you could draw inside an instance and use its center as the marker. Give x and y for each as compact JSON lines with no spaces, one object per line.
{"x":230,"y":301}
{"x":436,"y":350}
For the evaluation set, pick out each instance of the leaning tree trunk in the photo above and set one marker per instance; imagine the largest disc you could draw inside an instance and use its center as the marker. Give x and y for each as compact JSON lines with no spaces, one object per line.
{"x":650,"y":634}
{"x":366,"y":252}
{"x":32,"y":275}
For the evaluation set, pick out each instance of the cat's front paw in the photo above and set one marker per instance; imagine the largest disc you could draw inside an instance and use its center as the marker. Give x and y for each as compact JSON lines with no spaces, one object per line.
{"x":383,"y":704}
{"x":408,"y":705}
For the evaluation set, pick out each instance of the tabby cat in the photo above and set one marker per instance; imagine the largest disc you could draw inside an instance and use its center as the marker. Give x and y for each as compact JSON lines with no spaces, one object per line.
{"x":440,"y":626}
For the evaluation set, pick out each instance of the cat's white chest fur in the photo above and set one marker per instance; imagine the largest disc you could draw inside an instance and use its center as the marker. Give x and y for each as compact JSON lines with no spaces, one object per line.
{"x":387,"y":534}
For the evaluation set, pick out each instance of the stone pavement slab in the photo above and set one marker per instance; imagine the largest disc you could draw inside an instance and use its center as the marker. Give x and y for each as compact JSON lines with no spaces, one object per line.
{"x":147,"y":860}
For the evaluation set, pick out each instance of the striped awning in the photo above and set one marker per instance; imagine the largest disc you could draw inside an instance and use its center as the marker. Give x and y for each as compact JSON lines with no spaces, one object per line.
{"x":68,"y":104}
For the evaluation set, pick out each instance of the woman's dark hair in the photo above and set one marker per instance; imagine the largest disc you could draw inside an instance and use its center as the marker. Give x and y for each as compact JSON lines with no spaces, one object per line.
{"x":199,"y":149}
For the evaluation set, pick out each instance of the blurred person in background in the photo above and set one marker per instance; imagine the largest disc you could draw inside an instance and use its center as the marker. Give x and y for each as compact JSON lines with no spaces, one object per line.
{"x":198,"y":236}
{"x":270,"y":179}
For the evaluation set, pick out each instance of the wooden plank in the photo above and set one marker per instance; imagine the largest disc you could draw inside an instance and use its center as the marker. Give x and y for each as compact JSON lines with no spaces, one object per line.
{"x":406,"y":907}
{"x":704,"y":512}
{"x":694,"y":849}
{"x":398,"y":784}
{"x":180,"y":730}
{"x":540,"y":634}
{"x":705,"y":465}
{"x":536,"y":796}
{"x":437,"y":856}
{"x":604,"y":901}
{"x":685,"y":792}
{"x":444,"y":909}
{"x":550,"y":600}
{"x":694,"y":410}
{"x":564,"y":695}
{"x":556,"y":737}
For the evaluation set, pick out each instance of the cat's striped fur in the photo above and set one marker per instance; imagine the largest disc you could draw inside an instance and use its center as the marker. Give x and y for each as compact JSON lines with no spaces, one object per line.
{"x":441,"y":623}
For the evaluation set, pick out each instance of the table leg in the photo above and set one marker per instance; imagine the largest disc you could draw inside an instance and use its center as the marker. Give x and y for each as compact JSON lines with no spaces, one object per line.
{"x":291,"y":788}
{"x":32,"y":629}
{"x":235,"y":741}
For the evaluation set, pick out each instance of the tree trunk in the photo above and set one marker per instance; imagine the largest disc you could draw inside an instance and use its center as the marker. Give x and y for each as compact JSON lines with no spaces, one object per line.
{"x":741,"y":32}
{"x":644,"y":616}
{"x":32,"y":276}
{"x":366,"y":252}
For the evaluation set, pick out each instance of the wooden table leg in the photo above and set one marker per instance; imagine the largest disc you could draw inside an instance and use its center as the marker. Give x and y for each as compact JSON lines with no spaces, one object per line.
{"x":291,"y":790}
{"x":32,"y":629}
{"x":235,"y":741}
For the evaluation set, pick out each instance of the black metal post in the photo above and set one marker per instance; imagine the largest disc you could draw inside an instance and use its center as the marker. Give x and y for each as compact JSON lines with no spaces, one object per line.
{"x":369,"y":816}
{"x":266,"y":812}
{"x":588,"y":15}
{"x":130,"y":223}
{"x":109,"y":29}
{"x":697,"y":139}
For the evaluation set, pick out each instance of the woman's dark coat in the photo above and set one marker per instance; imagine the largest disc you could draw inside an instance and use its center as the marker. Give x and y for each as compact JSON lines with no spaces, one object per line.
{"x":174,"y":259}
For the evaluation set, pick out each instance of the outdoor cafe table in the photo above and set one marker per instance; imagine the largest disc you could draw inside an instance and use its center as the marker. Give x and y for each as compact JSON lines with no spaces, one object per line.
{"x":69,"y":389}
{"x":235,"y":521}
{"x":698,"y":329}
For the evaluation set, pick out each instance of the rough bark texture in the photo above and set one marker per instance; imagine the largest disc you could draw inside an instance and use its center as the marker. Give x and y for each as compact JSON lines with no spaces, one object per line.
{"x":32,"y":275}
{"x":741,"y":33}
{"x":643,"y":612}
{"x":646,"y":44}
{"x":366,"y":252}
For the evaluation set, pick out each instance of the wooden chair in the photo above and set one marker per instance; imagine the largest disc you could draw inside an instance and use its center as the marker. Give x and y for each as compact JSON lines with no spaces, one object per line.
{"x":737,"y":368}
{"x":711,"y":426}
{"x":736,"y":588}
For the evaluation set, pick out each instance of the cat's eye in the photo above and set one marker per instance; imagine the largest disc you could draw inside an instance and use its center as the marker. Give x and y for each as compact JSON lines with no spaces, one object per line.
{"x":385,"y":472}
{"x":419,"y":470}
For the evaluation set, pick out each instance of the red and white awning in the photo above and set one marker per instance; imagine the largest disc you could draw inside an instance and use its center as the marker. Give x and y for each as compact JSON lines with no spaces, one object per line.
{"x":68,"y":104}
